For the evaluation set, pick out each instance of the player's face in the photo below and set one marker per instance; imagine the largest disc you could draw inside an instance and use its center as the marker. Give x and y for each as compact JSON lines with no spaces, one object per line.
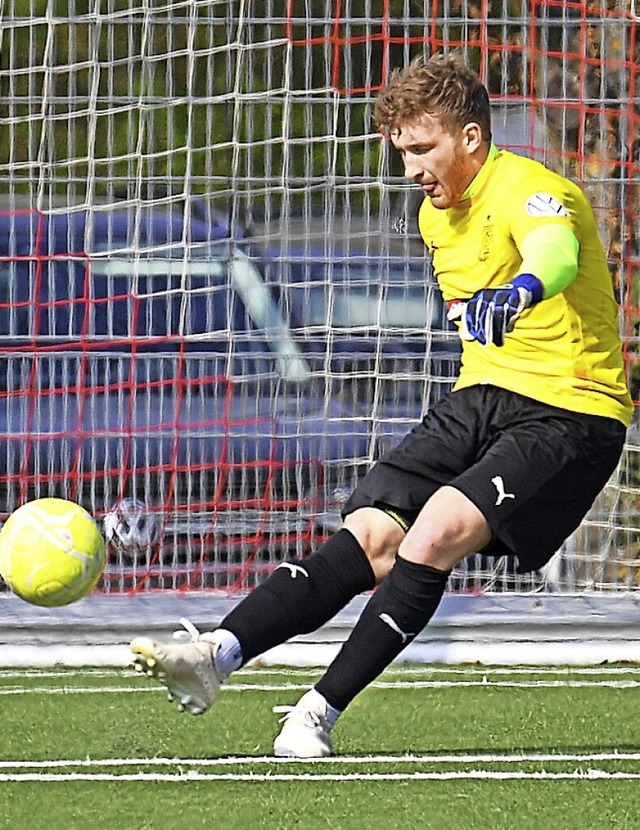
{"x":442,"y":163}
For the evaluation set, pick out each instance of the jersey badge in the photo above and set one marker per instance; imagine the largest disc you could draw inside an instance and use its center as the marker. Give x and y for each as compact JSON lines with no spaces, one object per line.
{"x":486,"y":242}
{"x":544,"y":204}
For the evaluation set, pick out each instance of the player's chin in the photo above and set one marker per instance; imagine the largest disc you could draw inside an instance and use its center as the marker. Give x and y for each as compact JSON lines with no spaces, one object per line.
{"x":440,"y":200}
{"x":439,"y":197}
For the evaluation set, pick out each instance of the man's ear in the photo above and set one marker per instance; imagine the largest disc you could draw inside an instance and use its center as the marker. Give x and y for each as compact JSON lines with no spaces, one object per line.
{"x":472,"y":137}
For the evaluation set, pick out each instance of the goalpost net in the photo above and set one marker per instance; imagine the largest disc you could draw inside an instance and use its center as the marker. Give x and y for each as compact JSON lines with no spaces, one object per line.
{"x":213,"y":297}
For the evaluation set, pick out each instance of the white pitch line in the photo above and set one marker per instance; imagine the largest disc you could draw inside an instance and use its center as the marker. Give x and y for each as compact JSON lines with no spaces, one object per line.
{"x":589,"y":775}
{"x":82,"y":672}
{"x":477,"y":669}
{"x":504,"y":684}
{"x":401,"y":670}
{"x":77,"y":690}
{"x":485,"y":683}
{"x":339,"y":760}
{"x":392,"y":671}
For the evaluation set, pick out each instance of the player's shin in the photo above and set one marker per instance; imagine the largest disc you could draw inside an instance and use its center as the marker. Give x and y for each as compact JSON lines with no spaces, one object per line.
{"x":301,"y":595}
{"x":399,"y":610}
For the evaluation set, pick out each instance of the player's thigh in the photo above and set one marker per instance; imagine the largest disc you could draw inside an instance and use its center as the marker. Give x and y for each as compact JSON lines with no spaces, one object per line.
{"x":526,"y":457}
{"x":535,"y":488}
{"x":435,"y":451}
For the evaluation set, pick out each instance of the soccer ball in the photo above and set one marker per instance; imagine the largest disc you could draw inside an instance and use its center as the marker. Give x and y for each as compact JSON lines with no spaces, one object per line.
{"x":51,"y":552}
{"x":132,"y":528}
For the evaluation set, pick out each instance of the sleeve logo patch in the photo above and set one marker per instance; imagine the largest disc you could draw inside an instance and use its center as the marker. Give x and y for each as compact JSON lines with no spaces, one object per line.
{"x":544,"y":204}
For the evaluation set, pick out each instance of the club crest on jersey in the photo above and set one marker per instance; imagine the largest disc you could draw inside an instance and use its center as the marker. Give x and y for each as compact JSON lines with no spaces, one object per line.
{"x":544,"y":204}
{"x":486,"y":242}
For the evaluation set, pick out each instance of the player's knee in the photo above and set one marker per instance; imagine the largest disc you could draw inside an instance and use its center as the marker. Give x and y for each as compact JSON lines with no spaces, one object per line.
{"x":378,"y":535}
{"x":429,"y":546}
{"x":447,"y":530}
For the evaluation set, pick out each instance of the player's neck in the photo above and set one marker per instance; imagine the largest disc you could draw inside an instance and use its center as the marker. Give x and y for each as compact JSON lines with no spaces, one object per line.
{"x":485,"y":157}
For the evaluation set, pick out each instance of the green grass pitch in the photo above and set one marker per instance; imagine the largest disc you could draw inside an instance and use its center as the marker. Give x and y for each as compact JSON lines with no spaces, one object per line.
{"x":425,"y":747}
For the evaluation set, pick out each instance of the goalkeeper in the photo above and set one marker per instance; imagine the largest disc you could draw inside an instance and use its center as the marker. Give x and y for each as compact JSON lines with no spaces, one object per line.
{"x":507,"y":464}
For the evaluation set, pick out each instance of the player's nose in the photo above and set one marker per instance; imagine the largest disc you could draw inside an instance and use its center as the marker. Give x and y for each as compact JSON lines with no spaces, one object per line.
{"x":412,"y":169}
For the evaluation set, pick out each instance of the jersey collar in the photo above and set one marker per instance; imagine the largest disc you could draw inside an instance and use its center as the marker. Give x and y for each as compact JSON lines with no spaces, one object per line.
{"x":481,"y":176}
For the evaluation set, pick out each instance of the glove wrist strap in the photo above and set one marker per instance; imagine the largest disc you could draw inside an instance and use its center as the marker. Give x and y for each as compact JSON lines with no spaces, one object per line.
{"x":530,"y":283}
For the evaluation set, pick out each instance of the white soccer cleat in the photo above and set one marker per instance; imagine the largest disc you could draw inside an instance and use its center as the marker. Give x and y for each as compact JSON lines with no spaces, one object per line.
{"x":306,"y":732}
{"x":187,"y":669}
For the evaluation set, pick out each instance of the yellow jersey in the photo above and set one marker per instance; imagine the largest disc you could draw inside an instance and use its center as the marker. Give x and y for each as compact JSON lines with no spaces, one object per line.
{"x":565,"y":350}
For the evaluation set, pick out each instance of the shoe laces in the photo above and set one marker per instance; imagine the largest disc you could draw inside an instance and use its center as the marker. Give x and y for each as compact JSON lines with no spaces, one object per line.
{"x":308,"y":716}
{"x":191,"y":633}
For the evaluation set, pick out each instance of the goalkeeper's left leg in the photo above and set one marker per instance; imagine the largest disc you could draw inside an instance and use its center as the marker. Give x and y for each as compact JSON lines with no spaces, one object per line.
{"x":299,"y":597}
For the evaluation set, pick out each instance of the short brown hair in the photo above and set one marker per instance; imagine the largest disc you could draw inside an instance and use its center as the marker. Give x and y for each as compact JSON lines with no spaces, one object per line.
{"x":443,"y":86}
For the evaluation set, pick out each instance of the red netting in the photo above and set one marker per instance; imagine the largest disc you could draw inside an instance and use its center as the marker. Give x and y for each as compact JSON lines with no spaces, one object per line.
{"x":147,"y":290}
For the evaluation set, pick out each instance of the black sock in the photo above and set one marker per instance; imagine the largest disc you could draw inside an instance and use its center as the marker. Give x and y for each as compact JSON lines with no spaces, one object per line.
{"x":301,"y":595}
{"x":398,"y":611}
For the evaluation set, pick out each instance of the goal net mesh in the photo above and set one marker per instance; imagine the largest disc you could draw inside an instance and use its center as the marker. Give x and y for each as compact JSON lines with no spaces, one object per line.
{"x":213,"y":297}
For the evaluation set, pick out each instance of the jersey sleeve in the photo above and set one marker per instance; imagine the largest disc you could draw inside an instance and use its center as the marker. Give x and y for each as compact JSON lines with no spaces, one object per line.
{"x":542,"y":201}
{"x":550,"y":253}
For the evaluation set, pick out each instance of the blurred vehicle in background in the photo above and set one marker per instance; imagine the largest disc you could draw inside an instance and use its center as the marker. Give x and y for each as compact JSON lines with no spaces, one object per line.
{"x":149,"y":360}
{"x":366,"y":310}
{"x":237,"y":385}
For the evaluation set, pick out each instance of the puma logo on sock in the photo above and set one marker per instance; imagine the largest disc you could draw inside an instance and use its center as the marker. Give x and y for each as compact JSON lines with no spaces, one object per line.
{"x":406,"y":635}
{"x":294,"y":570}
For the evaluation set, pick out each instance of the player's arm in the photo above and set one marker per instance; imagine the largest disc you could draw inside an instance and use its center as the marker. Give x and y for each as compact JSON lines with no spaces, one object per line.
{"x":549,"y":265}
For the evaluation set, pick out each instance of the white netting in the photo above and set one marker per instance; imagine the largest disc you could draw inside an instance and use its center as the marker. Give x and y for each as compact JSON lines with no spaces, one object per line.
{"x":212,"y":295}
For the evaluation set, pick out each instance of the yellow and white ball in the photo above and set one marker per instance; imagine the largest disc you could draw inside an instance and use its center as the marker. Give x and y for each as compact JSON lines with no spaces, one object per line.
{"x":51,"y":552}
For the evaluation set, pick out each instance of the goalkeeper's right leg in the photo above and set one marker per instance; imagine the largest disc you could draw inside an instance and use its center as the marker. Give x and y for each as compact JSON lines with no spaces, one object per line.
{"x":187,"y":669}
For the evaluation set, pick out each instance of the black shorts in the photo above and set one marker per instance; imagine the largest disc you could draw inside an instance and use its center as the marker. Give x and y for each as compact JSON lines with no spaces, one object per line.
{"x":533,"y":470}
